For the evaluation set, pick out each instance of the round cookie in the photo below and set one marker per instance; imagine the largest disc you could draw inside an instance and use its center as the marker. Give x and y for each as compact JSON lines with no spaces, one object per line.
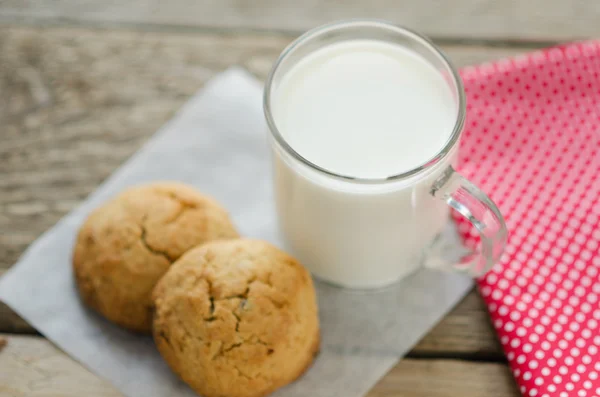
{"x":236,"y":318}
{"x":125,"y":246}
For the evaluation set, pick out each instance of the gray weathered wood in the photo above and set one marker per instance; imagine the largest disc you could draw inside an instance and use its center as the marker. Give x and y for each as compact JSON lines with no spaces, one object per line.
{"x":79,"y":102}
{"x":466,"y":19}
{"x":70,"y":122}
{"x":11,"y":322}
{"x":31,"y":366}
{"x":76,"y":103}
{"x":465,"y":332}
{"x":446,"y":378}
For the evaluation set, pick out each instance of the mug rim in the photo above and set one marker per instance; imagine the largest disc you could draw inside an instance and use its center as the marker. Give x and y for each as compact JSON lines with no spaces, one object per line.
{"x":377,"y":24}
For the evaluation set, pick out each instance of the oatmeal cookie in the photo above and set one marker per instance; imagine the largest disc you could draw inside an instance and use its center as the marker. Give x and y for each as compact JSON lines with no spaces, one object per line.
{"x":236,"y":318}
{"x":125,"y":246}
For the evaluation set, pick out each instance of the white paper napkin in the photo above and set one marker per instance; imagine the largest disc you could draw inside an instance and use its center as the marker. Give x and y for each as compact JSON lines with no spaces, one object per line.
{"x":217,"y":142}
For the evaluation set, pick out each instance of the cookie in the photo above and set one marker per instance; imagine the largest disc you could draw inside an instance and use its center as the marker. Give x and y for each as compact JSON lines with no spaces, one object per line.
{"x":236,"y":318}
{"x":125,"y":246}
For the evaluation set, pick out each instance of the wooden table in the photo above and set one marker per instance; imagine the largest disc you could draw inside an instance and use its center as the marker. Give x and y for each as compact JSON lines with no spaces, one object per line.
{"x":84,"y":83}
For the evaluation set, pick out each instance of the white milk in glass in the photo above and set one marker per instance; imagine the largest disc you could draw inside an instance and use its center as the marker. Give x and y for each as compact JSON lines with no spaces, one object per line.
{"x":363,"y":109}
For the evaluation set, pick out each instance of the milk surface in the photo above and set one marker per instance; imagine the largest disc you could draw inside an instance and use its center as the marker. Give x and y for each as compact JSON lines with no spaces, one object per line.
{"x":363,"y":109}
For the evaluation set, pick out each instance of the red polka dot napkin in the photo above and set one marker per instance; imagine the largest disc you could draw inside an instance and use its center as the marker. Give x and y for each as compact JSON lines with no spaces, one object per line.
{"x":532,"y":142}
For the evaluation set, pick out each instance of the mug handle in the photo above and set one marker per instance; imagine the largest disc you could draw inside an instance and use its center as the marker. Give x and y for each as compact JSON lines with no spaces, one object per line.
{"x":469,"y":201}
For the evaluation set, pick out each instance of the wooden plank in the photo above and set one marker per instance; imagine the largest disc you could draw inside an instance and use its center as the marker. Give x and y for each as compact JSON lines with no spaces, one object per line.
{"x":72,"y":110}
{"x":11,"y":322}
{"x":62,"y":104}
{"x":446,"y":378}
{"x":490,"y":19}
{"x":31,"y":366}
{"x":465,"y":332}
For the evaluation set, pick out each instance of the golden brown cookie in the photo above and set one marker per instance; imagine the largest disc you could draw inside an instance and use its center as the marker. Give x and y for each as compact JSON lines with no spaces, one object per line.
{"x":125,"y":246}
{"x":236,"y":318}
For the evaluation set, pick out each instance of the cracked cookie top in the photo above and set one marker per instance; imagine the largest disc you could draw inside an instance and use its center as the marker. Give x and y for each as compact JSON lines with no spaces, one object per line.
{"x":125,"y":246}
{"x":236,"y":318}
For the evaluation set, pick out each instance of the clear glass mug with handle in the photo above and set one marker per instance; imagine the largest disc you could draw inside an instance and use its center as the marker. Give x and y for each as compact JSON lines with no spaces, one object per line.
{"x":370,"y":232}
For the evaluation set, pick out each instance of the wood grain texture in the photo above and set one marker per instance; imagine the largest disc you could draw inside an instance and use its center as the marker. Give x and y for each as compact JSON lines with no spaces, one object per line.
{"x":466,"y":332}
{"x":446,"y":378}
{"x":482,"y":19}
{"x":11,"y":322}
{"x":82,"y":101}
{"x":76,"y":103}
{"x":33,"y":367}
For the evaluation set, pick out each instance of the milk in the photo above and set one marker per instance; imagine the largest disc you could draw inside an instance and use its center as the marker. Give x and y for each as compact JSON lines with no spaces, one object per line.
{"x":361,"y":109}
{"x":365,"y":109}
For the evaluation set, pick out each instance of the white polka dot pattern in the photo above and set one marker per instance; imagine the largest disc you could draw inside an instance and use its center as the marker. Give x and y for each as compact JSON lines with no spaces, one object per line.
{"x":532,"y":141}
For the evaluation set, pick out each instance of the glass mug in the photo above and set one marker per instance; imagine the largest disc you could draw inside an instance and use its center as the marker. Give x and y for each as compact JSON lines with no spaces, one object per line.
{"x":366,"y":233}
